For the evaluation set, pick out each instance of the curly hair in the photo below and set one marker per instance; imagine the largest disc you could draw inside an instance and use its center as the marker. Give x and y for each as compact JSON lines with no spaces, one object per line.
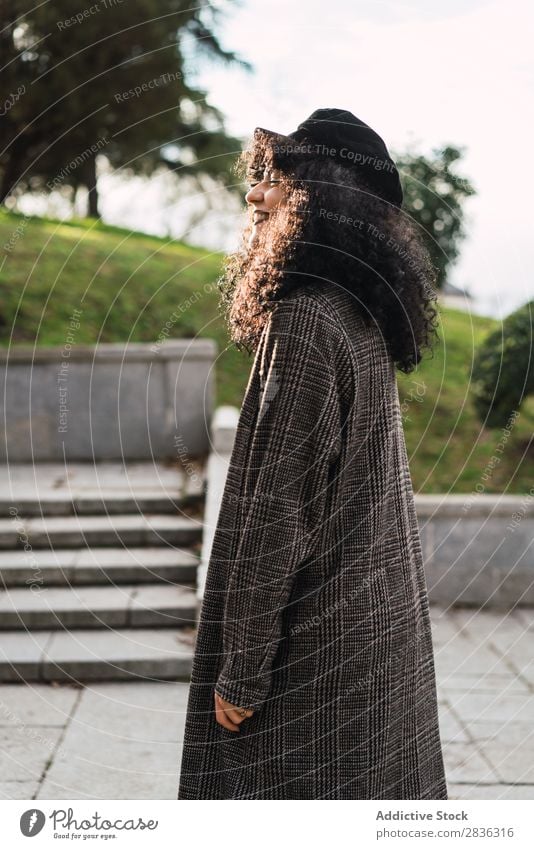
{"x":331,"y":226}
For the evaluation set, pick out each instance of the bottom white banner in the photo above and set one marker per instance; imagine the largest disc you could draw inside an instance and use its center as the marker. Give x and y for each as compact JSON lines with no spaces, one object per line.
{"x":308,"y":823}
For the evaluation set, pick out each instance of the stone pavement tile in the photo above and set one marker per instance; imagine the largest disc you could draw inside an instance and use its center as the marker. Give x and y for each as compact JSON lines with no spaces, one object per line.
{"x":504,"y":707}
{"x":526,"y":670}
{"x":481,"y":625}
{"x":509,"y":746}
{"x":448,"y":656}
{"x":505,"y":635}
{"x":25,"y":752}
{"x":511,"y":763}
{"x":451,"y":730}
{"x":464,"y":657}
{"x":36,"y":704}
{"x":488,"y":683}
{"x":510,"y":732}
{"x":444,"y":629}
{"x":464,"y":762}
{"x":491,"y":791}
{"x":517,"y":649}
{"x":124,"y":742}
{"x":18,"y":789}
{"x":526,"y":616}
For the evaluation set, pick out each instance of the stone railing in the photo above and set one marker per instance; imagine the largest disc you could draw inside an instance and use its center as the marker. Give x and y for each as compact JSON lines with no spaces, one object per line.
{"x":478,"y":548}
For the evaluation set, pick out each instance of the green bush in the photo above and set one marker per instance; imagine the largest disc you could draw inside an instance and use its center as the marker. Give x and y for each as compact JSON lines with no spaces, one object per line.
{"x":503,"y":372}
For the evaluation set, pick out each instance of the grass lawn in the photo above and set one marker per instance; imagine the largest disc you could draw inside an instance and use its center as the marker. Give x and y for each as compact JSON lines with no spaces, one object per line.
{"x":127,"y":285}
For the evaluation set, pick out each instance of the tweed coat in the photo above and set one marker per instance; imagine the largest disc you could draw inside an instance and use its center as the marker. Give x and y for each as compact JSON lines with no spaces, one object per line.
{"x":315,"y":611}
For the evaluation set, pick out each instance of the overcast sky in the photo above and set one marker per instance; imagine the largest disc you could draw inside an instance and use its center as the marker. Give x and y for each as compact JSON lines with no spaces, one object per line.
{"x":424,"y":73}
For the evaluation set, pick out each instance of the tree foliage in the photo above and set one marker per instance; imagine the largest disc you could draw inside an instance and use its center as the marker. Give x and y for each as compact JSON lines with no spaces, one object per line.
{"x":503,"y":372}
{"x":434,"y":195}
{"x":110,"y":77}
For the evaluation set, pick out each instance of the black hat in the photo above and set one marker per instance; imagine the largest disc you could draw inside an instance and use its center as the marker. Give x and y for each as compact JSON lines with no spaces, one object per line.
{"x":338,"y":134}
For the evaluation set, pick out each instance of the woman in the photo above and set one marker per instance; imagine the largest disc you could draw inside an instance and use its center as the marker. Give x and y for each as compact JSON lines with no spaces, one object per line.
{"x":313,"y":675}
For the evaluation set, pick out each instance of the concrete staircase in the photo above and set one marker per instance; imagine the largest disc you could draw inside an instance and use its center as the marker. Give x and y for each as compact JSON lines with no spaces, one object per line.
{"x":98,"y":567}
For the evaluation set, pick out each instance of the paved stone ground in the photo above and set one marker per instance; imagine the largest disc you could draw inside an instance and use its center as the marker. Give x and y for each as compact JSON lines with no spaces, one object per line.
{"x":123,"y":740}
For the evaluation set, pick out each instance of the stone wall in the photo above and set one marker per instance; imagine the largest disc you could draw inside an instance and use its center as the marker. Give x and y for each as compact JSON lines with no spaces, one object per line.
{"x":110,"y":401}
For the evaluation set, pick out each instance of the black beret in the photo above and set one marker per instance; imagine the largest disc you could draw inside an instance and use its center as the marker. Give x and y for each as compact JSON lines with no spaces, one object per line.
{"x":340,"y":135}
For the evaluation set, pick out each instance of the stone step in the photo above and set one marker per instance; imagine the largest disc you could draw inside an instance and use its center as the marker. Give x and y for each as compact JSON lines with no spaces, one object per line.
{"x":62,"y":503}
{"x":48,"y":488}
{"x":93,"y":566}
{"x":87,"y":531}
{"x":127,"y":606}
{"x":97,"y":655}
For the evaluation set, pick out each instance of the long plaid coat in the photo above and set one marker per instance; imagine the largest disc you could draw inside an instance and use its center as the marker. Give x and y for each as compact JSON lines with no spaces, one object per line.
{"x":315,"y":610}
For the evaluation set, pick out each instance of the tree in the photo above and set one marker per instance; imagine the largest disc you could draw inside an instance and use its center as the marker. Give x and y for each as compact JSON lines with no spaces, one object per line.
{"x":433,"y":196}
{"x":108,"y":78}
{"x":503,"y":371}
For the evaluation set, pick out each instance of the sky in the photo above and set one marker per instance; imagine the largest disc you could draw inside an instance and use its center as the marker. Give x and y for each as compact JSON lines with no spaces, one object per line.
{"x":422,"y":74}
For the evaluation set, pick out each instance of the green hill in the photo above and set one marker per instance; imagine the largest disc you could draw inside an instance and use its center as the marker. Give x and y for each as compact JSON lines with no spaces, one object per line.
{"x":128,"y":285}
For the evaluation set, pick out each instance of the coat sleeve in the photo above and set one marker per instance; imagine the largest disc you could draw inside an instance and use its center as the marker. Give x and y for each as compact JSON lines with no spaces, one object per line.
{"x":294,"y":439}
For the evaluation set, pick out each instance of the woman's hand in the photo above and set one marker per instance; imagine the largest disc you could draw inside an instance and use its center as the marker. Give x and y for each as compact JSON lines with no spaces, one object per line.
{"x":228,"y":715}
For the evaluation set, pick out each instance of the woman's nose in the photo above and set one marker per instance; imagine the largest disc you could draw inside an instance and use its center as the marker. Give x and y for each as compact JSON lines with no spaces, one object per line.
{"x":254,"y":194}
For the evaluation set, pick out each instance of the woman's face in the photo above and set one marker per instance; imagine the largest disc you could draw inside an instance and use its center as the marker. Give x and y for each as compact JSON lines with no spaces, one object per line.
{"x":264,"y":196}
